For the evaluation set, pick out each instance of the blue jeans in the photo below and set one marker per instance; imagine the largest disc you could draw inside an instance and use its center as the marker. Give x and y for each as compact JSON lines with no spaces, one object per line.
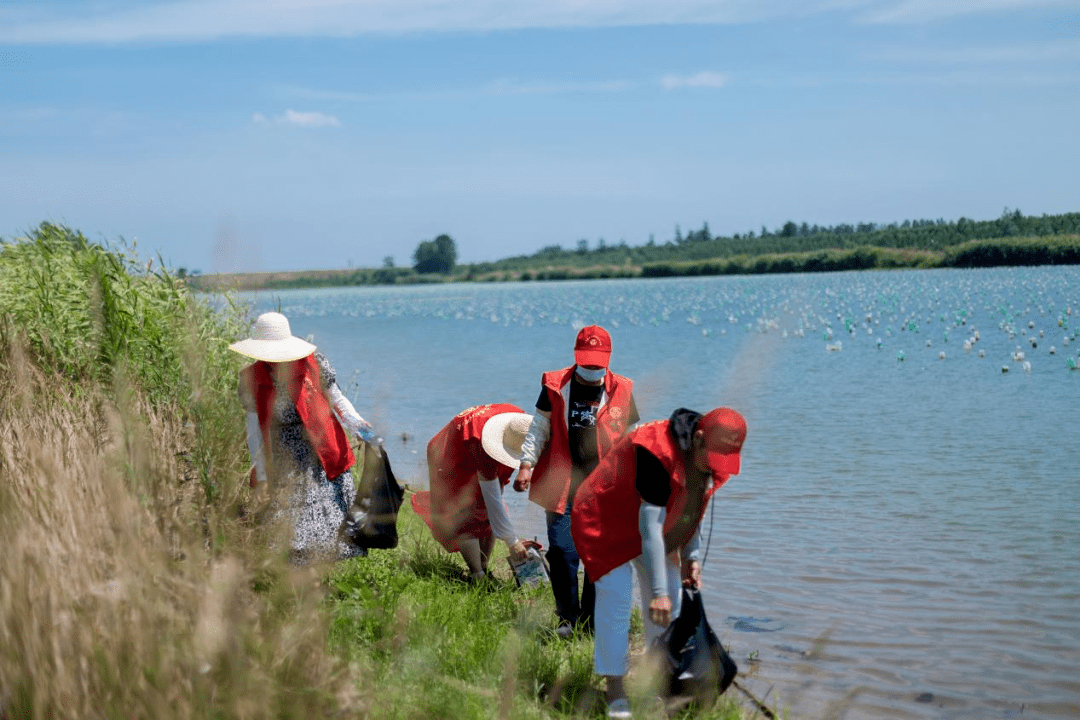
{"x":563,"y":561}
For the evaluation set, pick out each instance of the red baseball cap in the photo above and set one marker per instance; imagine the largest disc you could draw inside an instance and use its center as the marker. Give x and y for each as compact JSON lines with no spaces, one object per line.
{"x":593,"y":346}
{"x":725,"y":431}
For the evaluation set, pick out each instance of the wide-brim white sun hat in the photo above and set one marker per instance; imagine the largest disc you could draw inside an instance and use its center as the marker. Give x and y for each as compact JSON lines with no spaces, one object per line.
{"x":272,"y":340}
{"x":503,"y":435}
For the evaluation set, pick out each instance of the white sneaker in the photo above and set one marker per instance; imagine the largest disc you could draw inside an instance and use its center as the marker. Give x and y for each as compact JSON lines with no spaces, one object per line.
{"x":619,"y":708}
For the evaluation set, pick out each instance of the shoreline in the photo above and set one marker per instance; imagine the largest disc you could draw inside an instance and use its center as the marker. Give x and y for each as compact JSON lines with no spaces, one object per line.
{"x":1008,"y":252}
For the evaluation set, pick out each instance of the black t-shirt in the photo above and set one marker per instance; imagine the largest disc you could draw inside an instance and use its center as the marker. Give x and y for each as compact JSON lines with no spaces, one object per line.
{"x":653,"y":480}
{"x":581,"y":423}
{"x":581,"y":427}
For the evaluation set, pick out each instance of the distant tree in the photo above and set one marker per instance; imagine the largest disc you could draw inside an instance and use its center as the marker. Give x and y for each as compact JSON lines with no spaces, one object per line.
{"x":582,"y":246}
{"x":790,"y":229}
{"x":678,"y":235}
{"x":435,"y":256}
{"x":388,"y":261}
{"x":652,"y":241}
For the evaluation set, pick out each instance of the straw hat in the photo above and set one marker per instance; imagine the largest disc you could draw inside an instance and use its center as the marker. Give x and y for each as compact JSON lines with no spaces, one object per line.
{"x":503,"y":435}
{"x":272,"y":341}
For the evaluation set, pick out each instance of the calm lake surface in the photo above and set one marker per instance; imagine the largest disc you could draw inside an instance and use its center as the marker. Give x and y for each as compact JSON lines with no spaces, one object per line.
{"x":904,"y":539}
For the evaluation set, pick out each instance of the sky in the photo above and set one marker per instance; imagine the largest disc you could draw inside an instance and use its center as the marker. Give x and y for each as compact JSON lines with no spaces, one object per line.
{"x":267,"y":135}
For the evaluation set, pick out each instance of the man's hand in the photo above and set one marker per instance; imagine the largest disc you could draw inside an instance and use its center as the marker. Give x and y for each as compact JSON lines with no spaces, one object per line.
{"x":660,"y":610}
{"x":692,"y":574}
{"x":524,"y":478}
{"x":518,"y":552}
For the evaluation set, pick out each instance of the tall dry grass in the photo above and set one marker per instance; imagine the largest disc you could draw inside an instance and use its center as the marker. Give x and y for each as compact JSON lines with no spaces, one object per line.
{"x":115,"y":600}
{"x":130,"y":585}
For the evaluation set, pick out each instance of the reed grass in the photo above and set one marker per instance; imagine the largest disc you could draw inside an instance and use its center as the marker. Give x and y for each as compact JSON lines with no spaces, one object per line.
{"x":135,"y":580}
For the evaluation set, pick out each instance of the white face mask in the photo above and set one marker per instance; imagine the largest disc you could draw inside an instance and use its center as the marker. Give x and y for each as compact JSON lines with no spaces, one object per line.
{"x":590,"y":374}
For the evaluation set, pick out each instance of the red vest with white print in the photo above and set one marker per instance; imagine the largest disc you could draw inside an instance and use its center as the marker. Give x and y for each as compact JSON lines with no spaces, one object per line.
{"x":455,"y":457}
{"x":551,"y":479}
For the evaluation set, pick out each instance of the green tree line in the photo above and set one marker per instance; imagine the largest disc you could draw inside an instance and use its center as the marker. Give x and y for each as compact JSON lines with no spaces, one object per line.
{"x":1011,"y":239}
{"x":796,"y":238}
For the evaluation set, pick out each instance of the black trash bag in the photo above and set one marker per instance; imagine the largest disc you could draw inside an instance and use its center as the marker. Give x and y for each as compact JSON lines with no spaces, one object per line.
{"x":690,"y":658}
{"x":372,"y":520}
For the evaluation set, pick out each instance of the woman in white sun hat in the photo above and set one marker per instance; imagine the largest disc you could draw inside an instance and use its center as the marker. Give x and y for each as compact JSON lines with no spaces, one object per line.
{"x":295,"y":418}
{"x":470,"y":461}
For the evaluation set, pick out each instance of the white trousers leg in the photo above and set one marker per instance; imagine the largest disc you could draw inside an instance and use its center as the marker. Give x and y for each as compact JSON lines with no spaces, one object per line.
{"x":674,"y":589}
{"x":614,"y":598}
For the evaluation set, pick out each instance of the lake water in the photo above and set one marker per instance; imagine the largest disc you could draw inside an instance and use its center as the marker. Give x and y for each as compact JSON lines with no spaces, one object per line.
{"x":904,"y":539}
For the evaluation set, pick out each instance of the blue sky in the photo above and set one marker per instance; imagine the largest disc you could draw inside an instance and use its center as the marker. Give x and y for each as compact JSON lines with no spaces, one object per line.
{"x":257,"y":135}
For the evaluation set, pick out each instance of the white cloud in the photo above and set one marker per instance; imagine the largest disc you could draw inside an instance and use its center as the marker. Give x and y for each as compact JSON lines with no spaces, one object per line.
{"x":40,"y":22}
{"x":703,"y":79}
{"x":119,"y":21}
{"x":298,"y":119}
{"x":920,"y":11}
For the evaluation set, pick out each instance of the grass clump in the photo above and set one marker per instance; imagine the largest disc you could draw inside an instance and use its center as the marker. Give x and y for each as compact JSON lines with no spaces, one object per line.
{"x":135,"y":581}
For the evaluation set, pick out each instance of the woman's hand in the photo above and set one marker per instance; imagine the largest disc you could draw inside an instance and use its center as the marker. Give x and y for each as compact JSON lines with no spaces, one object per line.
{"x":518,"y":552}
{"x":660,"y":610}
{"x":692,"y":574}
{"x":524,"y":478}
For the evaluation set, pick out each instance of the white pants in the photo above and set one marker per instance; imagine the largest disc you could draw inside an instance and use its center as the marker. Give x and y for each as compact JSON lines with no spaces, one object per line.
{"x":614,"y":597}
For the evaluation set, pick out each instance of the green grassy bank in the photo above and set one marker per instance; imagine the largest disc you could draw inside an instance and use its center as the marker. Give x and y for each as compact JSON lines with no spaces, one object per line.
{"x":135,"y":580}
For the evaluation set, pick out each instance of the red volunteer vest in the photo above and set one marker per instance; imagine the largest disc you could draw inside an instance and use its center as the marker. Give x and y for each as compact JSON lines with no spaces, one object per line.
{"x":454,"y":506}
{"x":551,"y":479}
{"x":604,"y":521}
{"x":323,"y":430}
